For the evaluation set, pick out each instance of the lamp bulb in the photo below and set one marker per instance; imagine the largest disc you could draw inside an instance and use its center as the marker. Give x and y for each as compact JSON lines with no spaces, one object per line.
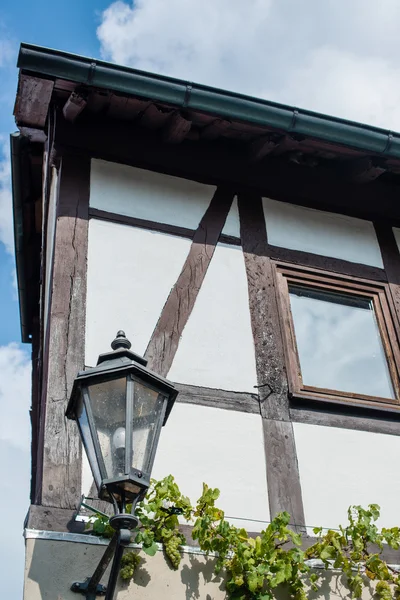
{"x":119,"y":439}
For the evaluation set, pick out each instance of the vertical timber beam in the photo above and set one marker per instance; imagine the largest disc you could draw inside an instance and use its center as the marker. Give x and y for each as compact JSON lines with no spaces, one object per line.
{"x":284,"y":490}
{"x":62,"y":455}
{"x":391,"y":263}
{"x":164,"y":341}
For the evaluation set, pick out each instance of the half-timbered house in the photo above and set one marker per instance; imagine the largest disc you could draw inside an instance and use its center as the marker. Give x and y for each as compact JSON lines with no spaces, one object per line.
{"x":250,"y":251}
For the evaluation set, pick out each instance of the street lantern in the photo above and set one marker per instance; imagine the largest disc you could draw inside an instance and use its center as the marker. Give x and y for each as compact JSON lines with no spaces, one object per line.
{"x":120,"y":407}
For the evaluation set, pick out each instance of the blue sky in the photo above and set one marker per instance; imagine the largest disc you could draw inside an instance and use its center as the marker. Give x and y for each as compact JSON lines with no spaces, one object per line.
{"x":64,"y":25}
{"x":338,"y":57}
{"x":68,"y":26}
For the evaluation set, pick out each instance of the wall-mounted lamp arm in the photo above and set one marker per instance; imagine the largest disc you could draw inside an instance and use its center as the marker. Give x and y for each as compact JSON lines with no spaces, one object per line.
{"x":91,"y":587}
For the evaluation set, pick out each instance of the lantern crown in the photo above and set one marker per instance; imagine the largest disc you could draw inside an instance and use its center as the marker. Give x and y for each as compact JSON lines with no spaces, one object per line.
{"x":121,"y":349}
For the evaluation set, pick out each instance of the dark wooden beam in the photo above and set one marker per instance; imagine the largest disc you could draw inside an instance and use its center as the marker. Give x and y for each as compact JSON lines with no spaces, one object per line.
{"x":155,"y":226}
{"x":220,"y":163}
{"x":141,"y":223}
{"x":33,"y":134}
{"x":391,"y":262}
{"x":214,"y":130}
{"x":286,"y":144}
{"x":261,"y":147}
{"x":47,"y":518}
{"x":75,"y":104}
{"x":357,"y":419}
{"x":123,"y":107}
{"x":363,"y":170}
{"x":176,"y":129}
{"x":284,"y":490}
{"x":153,"y":118}
{"x":270,"y":360}
{"x":203,"y":396}
{"x":179,"y":305}
{"x":33,"y":99}
{"x":326,"y":263}
{"x":61,"y":469}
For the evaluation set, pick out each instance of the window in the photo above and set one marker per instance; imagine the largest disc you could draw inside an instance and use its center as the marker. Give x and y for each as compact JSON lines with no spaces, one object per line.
{"x":340,"y":340}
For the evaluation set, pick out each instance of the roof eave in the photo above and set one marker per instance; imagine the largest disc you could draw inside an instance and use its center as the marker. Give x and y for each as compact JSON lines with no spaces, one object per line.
{"x":185,"y":94}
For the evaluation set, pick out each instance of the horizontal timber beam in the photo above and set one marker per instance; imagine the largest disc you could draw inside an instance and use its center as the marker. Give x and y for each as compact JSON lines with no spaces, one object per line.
{"x":203,"y":396}
{"x":327,"y":263}
{"x":222,"y":163}
{"x":104,"y":215}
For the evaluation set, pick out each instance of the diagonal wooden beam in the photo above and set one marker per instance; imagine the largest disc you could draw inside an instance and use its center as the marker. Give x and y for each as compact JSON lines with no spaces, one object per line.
{"x":283,"y":478}
{"x":179,"y":305}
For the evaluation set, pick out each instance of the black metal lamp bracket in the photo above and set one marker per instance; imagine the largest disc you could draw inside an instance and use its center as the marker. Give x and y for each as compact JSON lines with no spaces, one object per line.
{"x":91,"y":587}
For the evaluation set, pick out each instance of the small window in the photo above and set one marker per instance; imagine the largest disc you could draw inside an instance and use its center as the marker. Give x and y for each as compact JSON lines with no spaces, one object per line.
{"x":340,"y":341}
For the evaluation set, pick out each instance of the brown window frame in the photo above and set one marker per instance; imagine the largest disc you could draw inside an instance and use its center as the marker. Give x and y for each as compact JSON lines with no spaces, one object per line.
{"x":388,"y":327}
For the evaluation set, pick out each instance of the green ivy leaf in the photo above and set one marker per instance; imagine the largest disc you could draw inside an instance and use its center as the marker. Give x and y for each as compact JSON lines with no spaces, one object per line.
{"x":151,"y":550}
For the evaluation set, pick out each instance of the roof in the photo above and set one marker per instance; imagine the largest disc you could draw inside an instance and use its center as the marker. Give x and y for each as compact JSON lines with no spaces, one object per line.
{"x":189,"y":95}
{"x":229,"y":130}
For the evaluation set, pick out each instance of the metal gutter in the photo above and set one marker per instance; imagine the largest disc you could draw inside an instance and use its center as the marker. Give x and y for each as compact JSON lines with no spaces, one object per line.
{"x":17,"y":143}
{"x":228,"y":105}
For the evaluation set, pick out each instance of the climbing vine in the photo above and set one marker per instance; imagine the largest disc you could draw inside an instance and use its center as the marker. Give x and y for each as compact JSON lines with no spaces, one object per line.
{"x":256,"y":566}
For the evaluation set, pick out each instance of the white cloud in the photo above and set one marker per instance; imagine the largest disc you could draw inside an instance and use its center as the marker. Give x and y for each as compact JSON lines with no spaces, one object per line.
{"x":6,"y":219}
{"x":15,"y":436}
{"x":362,"y":89}
{"x":15,"y":383}
{"x":335,"y":56}
{"x":14,"y":504}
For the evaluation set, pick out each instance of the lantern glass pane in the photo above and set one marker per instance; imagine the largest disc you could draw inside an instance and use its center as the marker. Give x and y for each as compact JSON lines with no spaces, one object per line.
{"x":87,"y":439}
{"x":148,"y":414}
{"x":108,"y":402}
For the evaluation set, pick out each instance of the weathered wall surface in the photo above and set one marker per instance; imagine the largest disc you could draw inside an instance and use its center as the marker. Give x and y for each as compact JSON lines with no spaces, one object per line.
{"x":223,"y":448}
{"x":319,"y":232}
{"x":52,"y":566}
{"x":217,"y":349}
{"x":130,"y":274}
{"x":148,"y":195}
{"x":337,"y":467}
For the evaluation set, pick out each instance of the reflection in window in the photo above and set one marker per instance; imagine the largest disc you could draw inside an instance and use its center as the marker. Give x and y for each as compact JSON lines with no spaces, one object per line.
{"x":339,"y":343}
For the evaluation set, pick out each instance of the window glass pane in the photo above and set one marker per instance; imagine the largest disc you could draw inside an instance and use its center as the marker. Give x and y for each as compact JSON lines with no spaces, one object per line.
{"x":339,"y":343}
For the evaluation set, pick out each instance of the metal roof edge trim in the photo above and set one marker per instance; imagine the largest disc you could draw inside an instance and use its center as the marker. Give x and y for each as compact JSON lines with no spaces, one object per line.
{"x":229,"y":105}
{"x":16,"y":144}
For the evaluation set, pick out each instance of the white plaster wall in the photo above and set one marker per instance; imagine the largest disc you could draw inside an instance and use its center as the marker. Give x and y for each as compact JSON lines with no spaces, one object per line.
{"x":222,"y":448}
{"x":130,"y":274}
{"x":396,"y":232}
{"x":148,"y":195}
{"x":324,"y":233}
{"x":340,"y":467}
{"x":51,"y":225}
{"x":217,"y":348}
{"x":232,"y":223}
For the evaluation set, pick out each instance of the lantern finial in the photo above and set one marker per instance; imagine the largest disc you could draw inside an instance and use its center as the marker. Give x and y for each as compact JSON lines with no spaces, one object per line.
{"x":120,"y":341}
